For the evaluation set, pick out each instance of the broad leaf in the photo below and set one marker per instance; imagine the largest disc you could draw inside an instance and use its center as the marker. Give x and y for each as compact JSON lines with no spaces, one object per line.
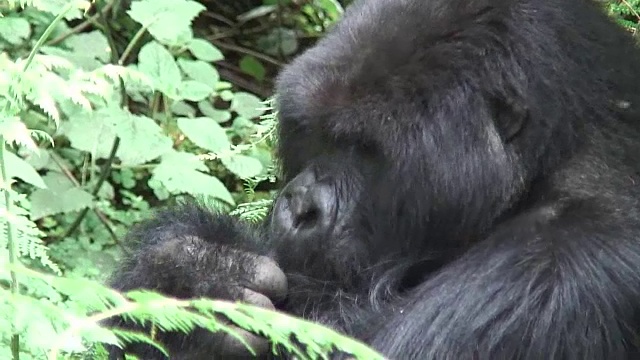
{"x":14,"y":30}
{"x":141,"y":139}
{"x":206,"y":133}
{"x":243,"y":166}
{"x":217,"y":115}
{"x":157,"y":62}
{"x":200,"y":71}
{"x":169,"y":21}
{"x":61,"y":196}
{"x":180,"y":172}
{"x":247,"y":105}
{"x":205,"y":51}
{"x":19,"y":168}
{"x":250,"y":65}
{"x":193,"y":91}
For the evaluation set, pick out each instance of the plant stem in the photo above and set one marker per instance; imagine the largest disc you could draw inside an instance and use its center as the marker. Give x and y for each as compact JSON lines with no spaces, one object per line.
{"x":106,"y":170}
{"x":11,"y":244}
{"x":136,"y":38}
{"x":46,"y":34}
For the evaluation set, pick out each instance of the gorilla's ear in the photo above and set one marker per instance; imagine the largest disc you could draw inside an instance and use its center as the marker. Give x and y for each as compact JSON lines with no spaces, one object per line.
{"x":510,"y":116}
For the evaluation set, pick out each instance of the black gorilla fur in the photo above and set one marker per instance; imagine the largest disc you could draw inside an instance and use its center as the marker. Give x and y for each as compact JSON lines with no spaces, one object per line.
{"x":462,"y":184}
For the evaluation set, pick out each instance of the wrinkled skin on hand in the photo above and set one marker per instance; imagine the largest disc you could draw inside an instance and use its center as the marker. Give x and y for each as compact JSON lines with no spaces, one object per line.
{"x":189,"y":267}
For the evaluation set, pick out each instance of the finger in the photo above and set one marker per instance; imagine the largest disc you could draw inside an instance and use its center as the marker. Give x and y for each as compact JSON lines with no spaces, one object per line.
{"x":269,"y":279}
{"x":234,"y":347}
{"x":255,"y":298}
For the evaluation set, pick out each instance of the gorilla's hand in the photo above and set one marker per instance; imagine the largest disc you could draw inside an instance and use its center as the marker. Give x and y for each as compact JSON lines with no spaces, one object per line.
{"x":189,"y":266}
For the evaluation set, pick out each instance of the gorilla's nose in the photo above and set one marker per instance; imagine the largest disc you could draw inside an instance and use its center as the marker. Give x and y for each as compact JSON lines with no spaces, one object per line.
{"x":305,"y":207}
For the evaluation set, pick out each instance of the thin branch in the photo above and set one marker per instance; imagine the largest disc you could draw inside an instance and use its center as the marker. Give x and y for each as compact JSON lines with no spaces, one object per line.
{"x":82,"y":26}
{"x":106,"y":170}
{"x":13,"y":249}
{"x":635,"y":13}
{"x":101,"y":216}
{"x":247,"y":51}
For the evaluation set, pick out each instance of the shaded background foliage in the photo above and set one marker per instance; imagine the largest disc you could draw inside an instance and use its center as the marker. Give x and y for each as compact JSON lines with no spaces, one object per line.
{"x":131,"y":105}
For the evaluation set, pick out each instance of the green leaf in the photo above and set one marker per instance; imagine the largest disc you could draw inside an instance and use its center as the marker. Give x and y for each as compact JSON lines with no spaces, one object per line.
{"x":14,"y":30}
{"x":179,"y":172}
{"x":205,"y":51}
{"x":93,"y":132}
{"x":157,"y":62}
{"x":141,"y":139}
{"x":247,"y":105}
{"x":88,"y":50}
{"x":200,"y":71}
{"x":226,"y":95}
{"x":54,"y":7}
{"x":219,"y":116}
{"x":243,"y":166}
{"x":15,"y":131}
{"x":93,"y":44}
{"x":193,"y":91}
{"x":332,"y":7}
{"x":250,"y":65}
{"x":279,"y":41}
{"x":181,"y":108}
{"x":61,"y":196}
{"x":19,"y":168}
{"x":206,"y":133}
{"x":168,"y":21}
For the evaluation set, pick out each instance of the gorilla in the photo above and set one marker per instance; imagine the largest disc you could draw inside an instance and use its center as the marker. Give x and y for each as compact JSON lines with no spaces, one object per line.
{"x":462,"y":182}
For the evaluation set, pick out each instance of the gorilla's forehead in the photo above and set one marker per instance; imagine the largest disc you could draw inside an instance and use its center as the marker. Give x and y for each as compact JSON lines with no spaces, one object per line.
{"x":378,"y":52}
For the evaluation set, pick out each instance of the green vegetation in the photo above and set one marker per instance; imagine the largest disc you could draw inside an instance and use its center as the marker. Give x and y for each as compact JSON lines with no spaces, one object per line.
{"x":111,"y":108}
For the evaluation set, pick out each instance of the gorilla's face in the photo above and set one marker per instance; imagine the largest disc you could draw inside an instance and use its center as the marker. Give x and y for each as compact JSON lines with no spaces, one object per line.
{"x":393,"y":164}
{"x":321,"y":212}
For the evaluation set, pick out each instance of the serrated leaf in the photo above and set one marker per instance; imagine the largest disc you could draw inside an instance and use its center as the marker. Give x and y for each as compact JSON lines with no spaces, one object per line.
{"x":14,"y":30}
{"x":193,"y":91}
{"x":157,"y":62}
{"x":19,"y":168}
{"x":169,"y":21}
{"x":205,"y":51}
{"x":247,"y":105}
{"x":15,"y":131}
{"x":61,"y":196}
{"x":200,"y":71}
{"x":205,"y":132}
{"x":45,"y":101}
{"x":141,"y":138}
{"x":179,"y":172}
{"x":243,"y":166}
{"x":93,"y":132}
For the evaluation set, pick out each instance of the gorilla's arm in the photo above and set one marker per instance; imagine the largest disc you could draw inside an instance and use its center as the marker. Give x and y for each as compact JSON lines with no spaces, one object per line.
{"x":556,"y":283}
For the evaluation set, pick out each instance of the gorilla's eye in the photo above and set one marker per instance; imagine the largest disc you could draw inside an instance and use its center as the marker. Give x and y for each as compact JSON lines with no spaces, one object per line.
{"x":510,"y":117}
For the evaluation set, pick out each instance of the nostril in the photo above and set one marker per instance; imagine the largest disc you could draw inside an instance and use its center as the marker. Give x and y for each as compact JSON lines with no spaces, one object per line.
{"x":304,"y":208}
{"x":307,"y":218}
